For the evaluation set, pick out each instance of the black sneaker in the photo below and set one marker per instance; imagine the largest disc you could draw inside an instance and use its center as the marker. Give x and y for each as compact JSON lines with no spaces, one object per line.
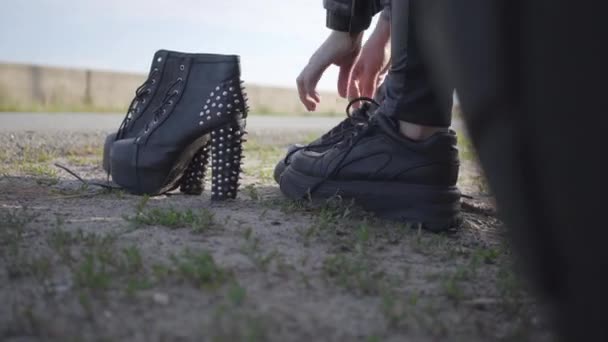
{"x":384,"y":172}
{"x":335,"y":135}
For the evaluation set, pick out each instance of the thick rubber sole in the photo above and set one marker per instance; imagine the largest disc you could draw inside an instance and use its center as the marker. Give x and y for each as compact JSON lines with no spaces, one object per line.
{"x":436,"y":208}
{"x":150,"y":180}
{"x":191,"y":182}
{"x":107,"y":149}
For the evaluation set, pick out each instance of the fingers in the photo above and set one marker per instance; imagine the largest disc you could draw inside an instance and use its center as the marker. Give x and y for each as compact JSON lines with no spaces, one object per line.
{"x":307,"y":84}
{"x":344,"y":78}
{"x":354,"y":89}
{"x":364,"y":82}
{"x":369,"y":84}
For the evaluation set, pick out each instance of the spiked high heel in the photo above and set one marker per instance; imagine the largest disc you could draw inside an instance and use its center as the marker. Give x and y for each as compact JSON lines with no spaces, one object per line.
{"x":203,"y":107}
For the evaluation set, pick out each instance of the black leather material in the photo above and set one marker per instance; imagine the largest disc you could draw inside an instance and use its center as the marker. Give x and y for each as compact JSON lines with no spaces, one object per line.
{"x":327,"y":140}
{"x":142,"y":106}
{"x":203,"y":94}
{"x":353,"y":15}
{"x":383,"y":154}
{"x":141,"y":110}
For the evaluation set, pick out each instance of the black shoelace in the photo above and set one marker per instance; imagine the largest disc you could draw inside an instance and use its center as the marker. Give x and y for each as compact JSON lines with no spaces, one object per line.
{"x":160,"y":110}
{"x":358,"y":132}
{"x":140,"y":94}
{"x":357,"y":117}
{"x":167,"y":100}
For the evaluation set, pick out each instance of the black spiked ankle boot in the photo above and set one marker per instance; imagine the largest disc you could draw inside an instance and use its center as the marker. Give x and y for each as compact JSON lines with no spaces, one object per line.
{"x":201,"y":115}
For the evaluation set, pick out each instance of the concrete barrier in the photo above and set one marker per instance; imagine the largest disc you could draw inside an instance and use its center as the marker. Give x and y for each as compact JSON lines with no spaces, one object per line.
{"x":31,"y":87}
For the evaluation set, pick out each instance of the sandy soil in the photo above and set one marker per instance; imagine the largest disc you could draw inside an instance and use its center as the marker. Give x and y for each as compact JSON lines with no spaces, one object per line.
{"x":85,"y":264}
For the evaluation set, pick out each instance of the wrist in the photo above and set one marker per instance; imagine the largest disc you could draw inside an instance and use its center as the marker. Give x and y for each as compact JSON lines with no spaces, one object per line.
{"x":382,"y":31}
{"x":354,"y":39}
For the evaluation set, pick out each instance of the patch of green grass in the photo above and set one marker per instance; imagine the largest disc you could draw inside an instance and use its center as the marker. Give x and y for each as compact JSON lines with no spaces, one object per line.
{"x":7,"y":105}
{"x":35,"y":155}
{"x":96,"y":263}
{"x":83,"y":160}
{"x":93,"y":271}
{"x":89,"y":150}
{"x":198,"y":221}
{"x":233,"y":324}
{"x":261,"y":160}
{"x":252,"y":192}
{"x":200,"y":270}
{"x":399,"y":310}
{"x":237,"y":294}
{"x":100,"y":269}
{"x":466,"y":149}
{"x":39,"y":170}
{"x":39,"y":267}
{"x":452,"y":288}
{"x":3,"y":156}
{"x":358,"y":274}
{"x":258,"y":257}
{"x":427,"y":243}
{"x":12,"y":227}
{"x":511,"y":288}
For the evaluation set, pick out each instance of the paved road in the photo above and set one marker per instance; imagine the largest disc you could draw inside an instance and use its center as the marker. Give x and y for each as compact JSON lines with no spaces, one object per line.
{"x":49,"y":122}
{"x":83,"y":122}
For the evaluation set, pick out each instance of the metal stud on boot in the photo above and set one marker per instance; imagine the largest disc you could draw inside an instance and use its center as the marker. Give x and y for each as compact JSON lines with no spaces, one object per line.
{"x":204,"y":102}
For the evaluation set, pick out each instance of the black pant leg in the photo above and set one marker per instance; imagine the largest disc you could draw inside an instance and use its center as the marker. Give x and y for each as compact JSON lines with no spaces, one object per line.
{"x":409,"y":91}
{"x":531,"y":80}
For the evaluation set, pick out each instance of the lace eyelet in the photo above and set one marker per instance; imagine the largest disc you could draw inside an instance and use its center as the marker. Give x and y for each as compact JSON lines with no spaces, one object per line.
{"x":153,"y":81}
{"x":170,"y":102}
{"x":176,"y":92}
{"x":182,"y":67}
{"x":179,"y":79}
{"x":160,"y":59}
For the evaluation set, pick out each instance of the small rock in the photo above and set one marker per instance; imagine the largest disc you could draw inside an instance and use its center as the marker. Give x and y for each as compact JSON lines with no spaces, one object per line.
{"x":161,"y":298}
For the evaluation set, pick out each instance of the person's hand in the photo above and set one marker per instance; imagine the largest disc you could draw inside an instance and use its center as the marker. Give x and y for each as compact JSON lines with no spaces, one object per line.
{"x":372,"y":64}
{"x":340,"y":49}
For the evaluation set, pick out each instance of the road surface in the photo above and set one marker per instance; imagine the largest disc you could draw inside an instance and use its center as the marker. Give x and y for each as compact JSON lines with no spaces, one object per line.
{"x":84,"y":122}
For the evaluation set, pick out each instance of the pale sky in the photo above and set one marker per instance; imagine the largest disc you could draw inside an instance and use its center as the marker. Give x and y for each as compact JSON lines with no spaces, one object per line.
{"x":275,"y":38}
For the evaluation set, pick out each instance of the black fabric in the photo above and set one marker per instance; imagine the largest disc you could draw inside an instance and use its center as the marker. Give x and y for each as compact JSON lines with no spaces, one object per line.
{"x":352,"y":15}
{"x":531,"y":79}
{"x":409,"y":92}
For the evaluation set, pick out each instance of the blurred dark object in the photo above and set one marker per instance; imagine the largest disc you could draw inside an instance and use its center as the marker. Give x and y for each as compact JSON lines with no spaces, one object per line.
{"x":530,"y":77}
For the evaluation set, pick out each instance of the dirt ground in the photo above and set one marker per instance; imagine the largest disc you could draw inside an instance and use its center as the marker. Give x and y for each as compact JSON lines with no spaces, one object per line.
{"x":81,"y":263}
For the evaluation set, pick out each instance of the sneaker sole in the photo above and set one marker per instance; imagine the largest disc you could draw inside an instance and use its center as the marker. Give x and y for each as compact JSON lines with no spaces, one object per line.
{"x":437,"y":208}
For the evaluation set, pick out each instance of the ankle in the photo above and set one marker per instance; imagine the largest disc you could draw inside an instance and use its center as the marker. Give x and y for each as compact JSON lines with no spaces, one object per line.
{"x":419,"y":132}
